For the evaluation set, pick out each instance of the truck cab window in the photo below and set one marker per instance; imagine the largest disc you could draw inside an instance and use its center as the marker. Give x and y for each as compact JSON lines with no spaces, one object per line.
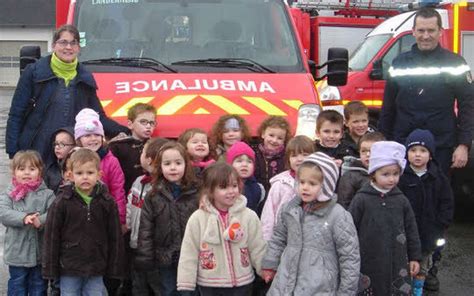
{"x":402,"y":45}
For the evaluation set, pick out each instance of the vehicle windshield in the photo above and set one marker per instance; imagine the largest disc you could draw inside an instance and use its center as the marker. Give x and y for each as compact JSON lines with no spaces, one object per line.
{"x":366,"y":51}
{"x":171,"y":31}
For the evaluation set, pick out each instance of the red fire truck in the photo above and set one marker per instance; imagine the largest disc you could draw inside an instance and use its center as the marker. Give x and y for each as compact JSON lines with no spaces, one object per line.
{"x":369,"y":64}
{"x":196,"y":60}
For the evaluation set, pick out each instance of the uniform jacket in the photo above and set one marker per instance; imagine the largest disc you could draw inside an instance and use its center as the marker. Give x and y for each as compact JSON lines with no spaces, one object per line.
{"x":83,"y":240}
{"x":414,"y":101}
{"x":431,"y":199}
{"x":314,"y":253}
{"x":23,"y":242}
{"x":388,"y":238}
{"x":56,"y":107}
{"x":354,"y":177}
{"x":135,"y":200}
{"x":282,"y":190}
{"x":113,"y":178}
{"x":128,"y":151}
{"x":210,"y":258}
{"x":162,"y":224}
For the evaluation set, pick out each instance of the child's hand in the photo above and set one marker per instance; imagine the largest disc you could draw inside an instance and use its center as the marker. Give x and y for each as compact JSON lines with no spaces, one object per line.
{"x":124,"y":228}
{"x":36,"y":220}
{"x":268,"y":275}
{"x":414,"y":268}
{"x":338,"y":162}
{"x":28,"y":219}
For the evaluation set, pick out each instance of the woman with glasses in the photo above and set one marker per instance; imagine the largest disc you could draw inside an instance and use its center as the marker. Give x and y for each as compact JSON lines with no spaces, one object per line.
{"x":48,"y":96}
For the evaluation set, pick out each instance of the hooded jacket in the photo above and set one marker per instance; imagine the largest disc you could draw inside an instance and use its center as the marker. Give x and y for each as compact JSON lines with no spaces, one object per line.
{"x":113,"y":177}
{"x":314,"y":253}
{"x":56,"y":106}
{"x":209,"y":255}
{"x":83,"y":240}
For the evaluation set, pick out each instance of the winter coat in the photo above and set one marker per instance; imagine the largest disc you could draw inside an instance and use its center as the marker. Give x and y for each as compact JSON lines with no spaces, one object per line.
{"x":431,"y":199}
{"x":282,"y":190}
{"x":350,"y":145}
{"x":314,"y":253}
{"x":113,"y":178}
{"x":388,"y":239}
{"x":53,"y":176}
{"x":162,"y":225}
{"x":351,"y":181}
{"x":254,"y":193}
{"x":218,"y":252}
{"x":128,"y":151}
{"x":23,"y":242}
{"x":135,"y":200}
{"x":335,"y":152}
{"x":56,"y":106}
{"x":416,"y":100}
{"x":83,"y":240}
{"x":265,"y":169}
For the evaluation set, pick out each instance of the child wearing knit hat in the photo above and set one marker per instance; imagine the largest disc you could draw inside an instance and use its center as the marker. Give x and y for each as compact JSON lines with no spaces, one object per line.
{"x":89,"y":133}
{"x":314,"y":248}
{"x":388,"y":237}
{"x":429,"y":192}
{"x":242,"y":158}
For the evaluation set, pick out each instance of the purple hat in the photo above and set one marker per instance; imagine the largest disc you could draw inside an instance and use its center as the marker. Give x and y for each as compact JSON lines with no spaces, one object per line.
{"x":88,"y":122}
{"x":385,"y":153}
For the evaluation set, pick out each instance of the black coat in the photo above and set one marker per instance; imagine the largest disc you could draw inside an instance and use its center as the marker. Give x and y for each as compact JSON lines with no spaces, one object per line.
{"x":416,"y":100}
{"x":431,"y":199}
{"x":162,"y":225}
{"x":388,"y":237}
{"x":82,"y":240}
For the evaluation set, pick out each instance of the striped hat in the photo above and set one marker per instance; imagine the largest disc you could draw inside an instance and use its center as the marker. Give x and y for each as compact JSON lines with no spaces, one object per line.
{"x":330,"y":173}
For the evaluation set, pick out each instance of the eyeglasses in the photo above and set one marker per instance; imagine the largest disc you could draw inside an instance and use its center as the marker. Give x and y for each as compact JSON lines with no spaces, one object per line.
{"x":145,"y":122}
{"x":61,"y":145}
{"x":65,"y":43}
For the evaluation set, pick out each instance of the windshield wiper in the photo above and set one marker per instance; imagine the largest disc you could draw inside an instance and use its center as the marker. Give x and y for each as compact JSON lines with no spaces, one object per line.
{"x":133,"y":62}
{"x":227,"y":63}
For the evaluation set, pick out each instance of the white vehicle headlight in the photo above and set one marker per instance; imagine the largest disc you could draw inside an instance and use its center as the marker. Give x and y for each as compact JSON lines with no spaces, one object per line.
{"x":306,"y":124}
{"x":329,"y":93}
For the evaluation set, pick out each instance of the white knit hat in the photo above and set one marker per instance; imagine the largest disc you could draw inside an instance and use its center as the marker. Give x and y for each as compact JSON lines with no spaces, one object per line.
{"x":88,"y":122}
{"x":330,"y":173}
{"x":385,"y":153}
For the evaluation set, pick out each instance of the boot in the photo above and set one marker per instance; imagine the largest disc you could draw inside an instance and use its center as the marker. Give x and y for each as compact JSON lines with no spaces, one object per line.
{"x":431,"y":281}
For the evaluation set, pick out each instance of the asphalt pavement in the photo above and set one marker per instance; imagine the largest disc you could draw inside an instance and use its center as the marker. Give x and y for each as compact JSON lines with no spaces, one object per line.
{"x":456,"y":268}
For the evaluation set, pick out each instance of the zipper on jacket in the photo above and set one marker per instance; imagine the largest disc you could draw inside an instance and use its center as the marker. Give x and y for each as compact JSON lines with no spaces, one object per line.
{"x":89,"y":212}
{"x":228,"y":251}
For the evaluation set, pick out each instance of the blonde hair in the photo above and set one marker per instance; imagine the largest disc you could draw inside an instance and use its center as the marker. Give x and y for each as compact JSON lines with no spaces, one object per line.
{"x":81,"y":156}
{"x":23,"y":157}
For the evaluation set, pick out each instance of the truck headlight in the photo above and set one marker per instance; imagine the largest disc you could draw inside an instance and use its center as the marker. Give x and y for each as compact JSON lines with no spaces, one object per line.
{"x":306,"y":124}
{"x":329,"y":93}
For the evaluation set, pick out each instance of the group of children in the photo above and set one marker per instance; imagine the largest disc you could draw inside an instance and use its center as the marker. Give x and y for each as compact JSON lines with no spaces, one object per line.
{"x":204,"y":214}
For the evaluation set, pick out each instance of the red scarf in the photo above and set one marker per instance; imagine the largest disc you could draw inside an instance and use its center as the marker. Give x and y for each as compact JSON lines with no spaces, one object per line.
{"x":20,"y":190}
{"x":203,"y":164}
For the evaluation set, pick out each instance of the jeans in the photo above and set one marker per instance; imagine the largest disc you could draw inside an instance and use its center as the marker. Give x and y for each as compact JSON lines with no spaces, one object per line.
{"x":85,"y":286}
{"x":26,"y":281}
{"x":168,"y":277}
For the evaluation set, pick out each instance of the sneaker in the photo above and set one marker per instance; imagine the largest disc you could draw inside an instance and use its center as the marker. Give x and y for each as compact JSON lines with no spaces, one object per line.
{"x":431,"y":281}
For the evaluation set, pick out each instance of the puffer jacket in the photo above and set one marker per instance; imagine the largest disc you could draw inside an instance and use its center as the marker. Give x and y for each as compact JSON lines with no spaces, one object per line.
{"x":221,"y":252}
{"x":23,"y":242}
{"x":432,"y":201}
{"x":113,"y":178}
{"x":135,"y":200}
{"x":314,"y":253}
{"x":282,"y":190}
{"x":354,"y":177}
{"x":83,"y":240}
{"x":162,"y":225}
{"x":34,"y":131}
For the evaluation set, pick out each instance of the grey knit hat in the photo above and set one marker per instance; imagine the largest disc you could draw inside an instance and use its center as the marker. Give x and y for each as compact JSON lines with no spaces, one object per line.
{"x":330,"y":173}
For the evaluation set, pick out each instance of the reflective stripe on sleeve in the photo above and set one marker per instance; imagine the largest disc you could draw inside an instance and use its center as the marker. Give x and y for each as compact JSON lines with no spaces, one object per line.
{"x":425,"y":71}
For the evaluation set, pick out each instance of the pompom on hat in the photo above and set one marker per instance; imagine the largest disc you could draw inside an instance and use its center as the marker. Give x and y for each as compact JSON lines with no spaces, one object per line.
{"x":88,"y":122}
{"x":237,"y":149}
{"x":423,"y":138}
{"x":385,"y":153}
{"x":330,"y":174}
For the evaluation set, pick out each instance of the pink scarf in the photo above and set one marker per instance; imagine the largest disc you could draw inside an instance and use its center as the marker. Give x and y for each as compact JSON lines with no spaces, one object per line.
{"x":270,"y":154}
{"x":203,"y":164}
{"x":20,"y":190}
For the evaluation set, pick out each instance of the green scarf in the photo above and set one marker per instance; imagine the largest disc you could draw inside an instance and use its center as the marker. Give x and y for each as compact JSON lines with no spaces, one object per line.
{"x":87,"y":199}
{"x":66,"y":71}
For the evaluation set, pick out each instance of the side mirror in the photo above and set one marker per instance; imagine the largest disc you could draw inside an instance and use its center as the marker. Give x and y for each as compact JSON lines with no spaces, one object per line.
{"x":28,"y":55}
{"x":312,"y":68}
{"x":377,"y":70}
{"x":337,"y":66}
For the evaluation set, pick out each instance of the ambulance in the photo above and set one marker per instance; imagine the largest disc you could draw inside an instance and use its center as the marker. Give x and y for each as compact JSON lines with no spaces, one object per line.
{"x":196,"y":60}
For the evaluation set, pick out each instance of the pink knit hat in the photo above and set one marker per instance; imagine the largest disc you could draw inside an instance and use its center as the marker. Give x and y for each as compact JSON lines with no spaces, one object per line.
{"x":88,"y":122}
{"x":239,"y":148}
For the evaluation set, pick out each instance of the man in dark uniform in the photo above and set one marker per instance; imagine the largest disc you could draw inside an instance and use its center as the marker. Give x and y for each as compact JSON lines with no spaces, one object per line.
{"x":421,"y":91}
